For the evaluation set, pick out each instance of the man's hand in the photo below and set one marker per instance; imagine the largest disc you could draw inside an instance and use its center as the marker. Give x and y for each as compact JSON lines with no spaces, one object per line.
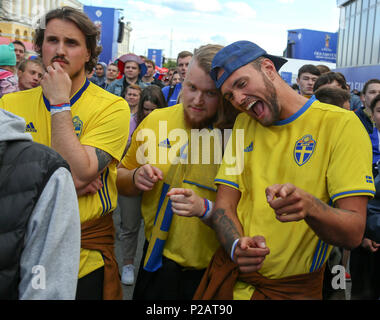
{"x":56,"y":84}
{"x":185,"y":202}
{"x":92,"y":188}
{"x":145,"y":177}
{"x":370,"y":245}
{"x":250,"y":253}
{"x":289,"y":202}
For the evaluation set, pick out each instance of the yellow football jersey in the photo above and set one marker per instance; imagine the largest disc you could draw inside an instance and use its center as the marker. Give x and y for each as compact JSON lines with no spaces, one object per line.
{"x":321,"y":149}
{"x":100,"y":120}
{"x":158,"y":140}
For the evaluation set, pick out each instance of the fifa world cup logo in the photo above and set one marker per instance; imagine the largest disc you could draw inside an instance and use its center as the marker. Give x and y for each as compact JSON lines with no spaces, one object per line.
{"x":327,"y":41}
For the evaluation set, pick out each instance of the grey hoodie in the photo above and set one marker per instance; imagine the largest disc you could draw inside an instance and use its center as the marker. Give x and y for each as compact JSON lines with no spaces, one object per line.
{"x":49,"y":262}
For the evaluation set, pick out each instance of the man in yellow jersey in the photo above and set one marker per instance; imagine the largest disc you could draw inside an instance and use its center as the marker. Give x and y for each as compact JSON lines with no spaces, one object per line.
{"x":178,"y":249}
{"x":89,"y":128}
{"x":302,"y":186}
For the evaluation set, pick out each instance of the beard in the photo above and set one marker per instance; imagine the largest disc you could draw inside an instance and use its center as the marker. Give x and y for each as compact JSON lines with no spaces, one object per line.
{"x":271,"y":97}
{"x":198,"y":123}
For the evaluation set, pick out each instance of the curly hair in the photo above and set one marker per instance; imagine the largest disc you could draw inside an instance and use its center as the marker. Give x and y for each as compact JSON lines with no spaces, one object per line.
{"x":82,"y":21}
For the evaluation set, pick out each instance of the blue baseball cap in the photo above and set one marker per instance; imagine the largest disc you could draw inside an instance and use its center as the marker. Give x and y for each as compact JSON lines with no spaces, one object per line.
{"x":236,"y":55}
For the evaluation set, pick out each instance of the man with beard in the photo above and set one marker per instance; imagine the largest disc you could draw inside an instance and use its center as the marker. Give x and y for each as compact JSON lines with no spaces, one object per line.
{"x":177,"y":249}
{"x":272,"y":218}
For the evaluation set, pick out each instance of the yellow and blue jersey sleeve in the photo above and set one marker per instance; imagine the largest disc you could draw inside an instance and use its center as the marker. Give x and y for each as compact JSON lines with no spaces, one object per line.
{"x":350,"y":169}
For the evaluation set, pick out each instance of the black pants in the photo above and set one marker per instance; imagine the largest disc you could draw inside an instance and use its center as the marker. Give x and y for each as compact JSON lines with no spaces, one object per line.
{"x":90,"y":287}
{"x":365,"y":274}
{"x":170,"y":282}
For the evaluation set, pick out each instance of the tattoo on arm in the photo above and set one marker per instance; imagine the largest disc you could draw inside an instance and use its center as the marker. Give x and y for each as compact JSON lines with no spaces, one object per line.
{"x":325,"y":207}
{"x":104,"y":159}
{"x":225,"y":229}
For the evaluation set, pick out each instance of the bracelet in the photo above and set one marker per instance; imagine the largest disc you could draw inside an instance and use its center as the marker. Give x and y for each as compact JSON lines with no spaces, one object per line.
{"x":208,"y":209}
{"x":133,"y":176}
{"x":233,"y":249}
{"x":60,"y":108}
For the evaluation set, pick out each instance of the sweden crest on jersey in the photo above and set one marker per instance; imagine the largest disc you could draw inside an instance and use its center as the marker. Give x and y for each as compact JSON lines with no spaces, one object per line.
{"x":303,"y":150}
{"x":78,"y":125}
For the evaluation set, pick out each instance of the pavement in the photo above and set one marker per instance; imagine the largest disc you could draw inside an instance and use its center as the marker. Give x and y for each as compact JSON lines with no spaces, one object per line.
{"x":128,"y":290}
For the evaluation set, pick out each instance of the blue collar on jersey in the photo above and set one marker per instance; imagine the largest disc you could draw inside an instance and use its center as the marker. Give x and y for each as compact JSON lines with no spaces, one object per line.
{"x":298,"y":113}
{"x":74,"y":98}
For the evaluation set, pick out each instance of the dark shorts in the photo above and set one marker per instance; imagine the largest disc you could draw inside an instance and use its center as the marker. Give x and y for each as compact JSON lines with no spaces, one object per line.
{"x":170,"y":282}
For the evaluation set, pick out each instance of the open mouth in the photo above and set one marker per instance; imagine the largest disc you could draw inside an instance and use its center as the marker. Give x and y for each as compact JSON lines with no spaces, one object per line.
{"x":256,"y":107}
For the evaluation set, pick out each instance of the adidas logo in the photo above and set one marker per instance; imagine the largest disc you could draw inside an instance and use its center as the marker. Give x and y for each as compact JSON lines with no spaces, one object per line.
{"x":30,"y":127}
{"x":249,"y":148}
{"x":165,"y":144}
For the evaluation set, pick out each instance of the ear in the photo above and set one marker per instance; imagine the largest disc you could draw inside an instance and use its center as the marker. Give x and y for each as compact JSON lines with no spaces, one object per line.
{"x":267,"y":66}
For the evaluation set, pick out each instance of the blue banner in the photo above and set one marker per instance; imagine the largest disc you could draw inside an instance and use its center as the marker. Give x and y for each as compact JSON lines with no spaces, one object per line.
{"x":156,"y":56}
{"x":357,"y":76}
{"x":107,"y":21}
{"x":312,"y":45}
{"x":287,"y":76}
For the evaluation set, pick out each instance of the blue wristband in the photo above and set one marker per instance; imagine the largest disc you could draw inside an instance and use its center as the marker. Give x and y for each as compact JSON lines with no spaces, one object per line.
{"x":208,"y":209}
{"x":233,"y":249}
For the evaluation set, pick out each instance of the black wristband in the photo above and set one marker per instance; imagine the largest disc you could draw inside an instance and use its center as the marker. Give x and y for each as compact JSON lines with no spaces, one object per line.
{"x":133,"y":176}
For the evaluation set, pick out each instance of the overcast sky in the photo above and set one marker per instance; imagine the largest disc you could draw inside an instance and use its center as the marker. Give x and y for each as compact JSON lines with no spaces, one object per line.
{"x":176,"y":25}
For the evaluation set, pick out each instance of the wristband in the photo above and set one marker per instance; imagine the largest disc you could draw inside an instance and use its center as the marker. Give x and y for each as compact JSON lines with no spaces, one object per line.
{"x":60,"y":108}
{"x":133,"y":176}
{"x":208,"y":209}
{"x":233,"y":249}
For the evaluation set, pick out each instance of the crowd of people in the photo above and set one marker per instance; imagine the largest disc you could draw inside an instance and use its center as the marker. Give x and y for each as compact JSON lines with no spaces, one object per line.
{"x":247,"y":187}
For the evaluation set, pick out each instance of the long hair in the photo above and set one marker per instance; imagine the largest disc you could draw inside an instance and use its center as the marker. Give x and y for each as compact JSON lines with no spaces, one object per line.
{"x":152,"y":94}
{"x":82,"y":21}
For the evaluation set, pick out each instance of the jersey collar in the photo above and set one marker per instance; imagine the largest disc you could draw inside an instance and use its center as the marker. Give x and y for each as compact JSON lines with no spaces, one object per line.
{"x":298,"y":113}
{"x":74,"y":98}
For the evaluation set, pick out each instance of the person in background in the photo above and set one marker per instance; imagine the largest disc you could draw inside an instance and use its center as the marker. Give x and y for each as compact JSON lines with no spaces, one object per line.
{"x":30,"y":73}
{"x":132,"y":68}
{"x":355,"y":101}
{"x":307,"y":75}
{"x":365,"y":259}
{"x":370,"y":90}
{"x":130,"y":207}
{"x":8,"y":80}
{"x":111,"y":74}
{"x":20,"y":51}
{"x":330,"y":79}
{"x":333,"y":95}
{"x":149,"y":75}
{"x":176,"y":78}
{"x":99,"y":78}
{"x":132,"y":96}
{"x":323,"y":68}
{"x":39,"y":220}
{"x":373,"y":209}
{"x":171,"y":93}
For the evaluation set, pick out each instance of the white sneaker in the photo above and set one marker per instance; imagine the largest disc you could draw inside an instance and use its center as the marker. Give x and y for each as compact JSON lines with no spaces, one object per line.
{"x":128,"y":275}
